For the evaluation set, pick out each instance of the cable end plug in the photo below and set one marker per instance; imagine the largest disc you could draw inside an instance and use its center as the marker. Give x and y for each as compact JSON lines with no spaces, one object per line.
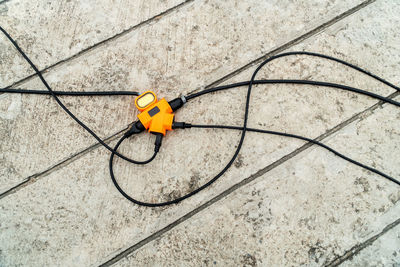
{"x":158,"y":142}
{"x":177,"y":103}
{"x":137,"y":127}
{"x":181,"y":125}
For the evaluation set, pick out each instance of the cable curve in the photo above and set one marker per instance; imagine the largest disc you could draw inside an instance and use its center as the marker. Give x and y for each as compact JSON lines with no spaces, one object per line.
{"x":303,"y":82}
{"x":243,"y":129}
{"x":59,"y":101}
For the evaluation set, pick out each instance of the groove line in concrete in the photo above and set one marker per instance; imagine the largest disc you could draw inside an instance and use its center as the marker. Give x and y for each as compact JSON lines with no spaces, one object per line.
{"x":159,"y":233}
{"x":236,"y":72}
{"x":102,"y":43}
{"x":242,"y":183}
{"x":289,"y":44}
{"x":359,"y":247}
{"x":34,"y":177}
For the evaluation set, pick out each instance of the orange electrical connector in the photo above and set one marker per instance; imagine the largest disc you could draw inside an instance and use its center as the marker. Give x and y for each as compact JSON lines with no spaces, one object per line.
{"x":156,"y":116}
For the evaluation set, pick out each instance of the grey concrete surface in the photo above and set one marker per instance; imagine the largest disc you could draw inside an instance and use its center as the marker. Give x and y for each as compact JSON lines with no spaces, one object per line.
{"x":314,"y":205}
{"x":307,"y":211}
{"x":52,"y":31}
{"x":385,"y":251}
{"x":184,"y":50}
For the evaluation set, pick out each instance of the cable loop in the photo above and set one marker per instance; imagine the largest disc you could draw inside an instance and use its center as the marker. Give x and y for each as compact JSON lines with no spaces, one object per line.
{"x":135,"y":129}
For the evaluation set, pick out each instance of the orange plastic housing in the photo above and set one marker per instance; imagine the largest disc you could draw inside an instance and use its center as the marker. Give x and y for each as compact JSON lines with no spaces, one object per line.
{"x":157,"y":117}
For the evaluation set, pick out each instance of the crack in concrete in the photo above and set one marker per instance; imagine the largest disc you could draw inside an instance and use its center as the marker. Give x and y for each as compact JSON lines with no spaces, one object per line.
{"x":348,"y":255}
{"x":103,"y":42}
{"x":242,"y":183}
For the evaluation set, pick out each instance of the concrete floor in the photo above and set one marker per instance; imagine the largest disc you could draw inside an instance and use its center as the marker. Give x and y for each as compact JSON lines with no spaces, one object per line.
{"x":282,"y":203}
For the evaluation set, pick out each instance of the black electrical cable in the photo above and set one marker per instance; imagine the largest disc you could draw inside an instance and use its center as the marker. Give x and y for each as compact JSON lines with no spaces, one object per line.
{"x":304,"y":82}
{"x":115,"y":181}
{"x":69,"y":93}
{"x":211,"y":90}
{"x":239,"y":146}
{"x":344,"y":87}
{"x":243,"y":129}
{"x":187,"y":125}
{"x":59,"y":101}
{"x":299,"y":53}
{"x":315,"y":142}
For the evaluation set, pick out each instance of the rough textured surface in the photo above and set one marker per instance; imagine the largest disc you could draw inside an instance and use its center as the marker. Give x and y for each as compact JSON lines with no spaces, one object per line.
{"x":51,"y":31}
{"x":314,"y":205}
{"x":182,"y":51}
{"x":308,"y":211}
{"x":383,"y":252}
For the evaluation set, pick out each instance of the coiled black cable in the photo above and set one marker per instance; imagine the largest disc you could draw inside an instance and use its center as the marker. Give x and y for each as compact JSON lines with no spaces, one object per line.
{"x":243,"y":128}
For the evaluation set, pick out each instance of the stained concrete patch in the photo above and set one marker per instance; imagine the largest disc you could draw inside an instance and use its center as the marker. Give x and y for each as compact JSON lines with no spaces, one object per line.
{"x":3,"y":9}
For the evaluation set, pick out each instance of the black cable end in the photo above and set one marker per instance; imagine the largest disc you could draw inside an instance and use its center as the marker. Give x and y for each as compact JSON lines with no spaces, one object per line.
{"x":158,"y":142}
{"x":137,"y":127}
{"x":181,"y":125}
{"x":177,"y":103}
